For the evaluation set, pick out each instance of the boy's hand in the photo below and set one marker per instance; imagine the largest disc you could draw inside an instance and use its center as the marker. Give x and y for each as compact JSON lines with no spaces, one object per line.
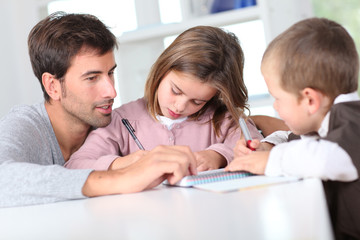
{"x":209,"y":160}
{"x":255,"y":162}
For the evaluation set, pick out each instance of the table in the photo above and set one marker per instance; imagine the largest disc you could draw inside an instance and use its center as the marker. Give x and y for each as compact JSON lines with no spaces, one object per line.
{"x":285,"y":211}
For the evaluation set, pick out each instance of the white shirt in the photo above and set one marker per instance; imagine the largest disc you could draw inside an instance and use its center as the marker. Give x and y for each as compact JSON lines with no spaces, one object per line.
{"x":310,"y":157}
{"x":168,"y":122}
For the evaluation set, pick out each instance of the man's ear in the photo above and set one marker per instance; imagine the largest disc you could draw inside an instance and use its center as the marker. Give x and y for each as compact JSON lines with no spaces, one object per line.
{"x":313,"y":99}
{"x":51,"y":85}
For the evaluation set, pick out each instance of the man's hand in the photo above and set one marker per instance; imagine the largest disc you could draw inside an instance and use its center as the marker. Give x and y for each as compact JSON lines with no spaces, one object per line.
{"x":163,"y":162}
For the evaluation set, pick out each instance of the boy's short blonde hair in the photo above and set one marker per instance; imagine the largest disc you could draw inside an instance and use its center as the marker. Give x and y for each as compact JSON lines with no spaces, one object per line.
{"x":316,"y":53}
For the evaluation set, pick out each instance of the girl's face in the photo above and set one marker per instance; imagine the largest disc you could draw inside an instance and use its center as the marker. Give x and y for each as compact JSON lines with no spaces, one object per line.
{"x":181,"y":95}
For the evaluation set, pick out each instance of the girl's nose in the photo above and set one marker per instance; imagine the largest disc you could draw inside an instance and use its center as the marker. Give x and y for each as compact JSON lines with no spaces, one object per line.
{"x":180,"y":105}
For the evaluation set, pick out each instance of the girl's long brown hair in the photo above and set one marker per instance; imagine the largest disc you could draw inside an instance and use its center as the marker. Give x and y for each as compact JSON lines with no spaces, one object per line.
{"x":215,"y":57}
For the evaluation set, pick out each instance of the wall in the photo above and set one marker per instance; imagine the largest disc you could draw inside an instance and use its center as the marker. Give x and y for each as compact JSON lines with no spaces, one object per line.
{"x":18,"y":83}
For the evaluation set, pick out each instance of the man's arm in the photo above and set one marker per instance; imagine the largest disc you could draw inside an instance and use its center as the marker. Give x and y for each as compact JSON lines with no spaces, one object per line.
{"x":31,"y":170}
{"x":31,"y":162}
{"x":163,"y":162}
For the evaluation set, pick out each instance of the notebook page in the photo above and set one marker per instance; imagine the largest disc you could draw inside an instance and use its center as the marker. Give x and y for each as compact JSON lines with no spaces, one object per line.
{"x":245,"y":183}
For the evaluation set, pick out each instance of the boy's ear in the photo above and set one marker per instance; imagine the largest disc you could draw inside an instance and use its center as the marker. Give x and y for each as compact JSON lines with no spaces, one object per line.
{"x":51,"y":85}
{"x":313,"y":99}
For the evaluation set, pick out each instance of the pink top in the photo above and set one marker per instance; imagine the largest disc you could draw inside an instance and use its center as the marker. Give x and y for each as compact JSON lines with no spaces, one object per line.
{"x":104,"y":145}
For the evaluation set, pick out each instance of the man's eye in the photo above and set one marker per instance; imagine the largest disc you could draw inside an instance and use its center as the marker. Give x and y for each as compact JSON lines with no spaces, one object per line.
{"x":92,"y":78}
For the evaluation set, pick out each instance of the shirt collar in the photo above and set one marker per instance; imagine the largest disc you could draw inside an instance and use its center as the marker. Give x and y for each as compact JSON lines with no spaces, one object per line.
{"x":168,"y":122}
{"x":349,"y":97}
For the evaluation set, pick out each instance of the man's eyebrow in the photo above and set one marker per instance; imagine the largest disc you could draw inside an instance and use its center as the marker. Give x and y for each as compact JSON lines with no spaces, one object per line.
{"x":96,"y":72}
{"x":113,"y":68}
{"x":90,"y":73}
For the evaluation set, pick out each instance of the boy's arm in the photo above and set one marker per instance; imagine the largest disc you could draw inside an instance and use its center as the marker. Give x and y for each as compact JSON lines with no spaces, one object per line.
{"x":302,"y":158}
{"x":311,"y":158}
{"x":277,"y":137}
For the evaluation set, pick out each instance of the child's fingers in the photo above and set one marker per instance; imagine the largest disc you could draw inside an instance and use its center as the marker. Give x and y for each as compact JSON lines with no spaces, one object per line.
{"x":202,"y":167}
{"x":255,"y":143}
{"x":254,"y":163}
{"x":240,"y":148}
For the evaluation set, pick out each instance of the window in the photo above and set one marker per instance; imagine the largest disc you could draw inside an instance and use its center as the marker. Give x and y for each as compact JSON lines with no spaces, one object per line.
{"x":344,"y":12}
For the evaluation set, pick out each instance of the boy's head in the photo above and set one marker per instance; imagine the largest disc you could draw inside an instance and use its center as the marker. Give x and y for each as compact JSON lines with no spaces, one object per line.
{"x":307,"y":67}
{"x":57,"y":39}
{"x":316,"y":53}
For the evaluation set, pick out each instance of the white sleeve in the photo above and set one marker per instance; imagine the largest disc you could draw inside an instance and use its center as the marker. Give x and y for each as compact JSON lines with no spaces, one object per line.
{"x":311,"y":158}
{"x":277,"y":137}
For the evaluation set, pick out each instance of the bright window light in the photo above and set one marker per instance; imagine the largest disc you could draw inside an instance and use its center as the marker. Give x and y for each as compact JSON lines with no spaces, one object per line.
{"x":118,"y":15}
{"x":252,"y":41}
{"x":170,"y":11}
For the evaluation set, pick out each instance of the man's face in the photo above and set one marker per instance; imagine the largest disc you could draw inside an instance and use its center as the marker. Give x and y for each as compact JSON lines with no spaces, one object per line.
{"x":88,"y":89}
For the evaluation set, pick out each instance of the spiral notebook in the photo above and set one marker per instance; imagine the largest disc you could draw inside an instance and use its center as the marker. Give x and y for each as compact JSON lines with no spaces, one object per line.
{"x":221,"y":181}
{"x":209,"y":177}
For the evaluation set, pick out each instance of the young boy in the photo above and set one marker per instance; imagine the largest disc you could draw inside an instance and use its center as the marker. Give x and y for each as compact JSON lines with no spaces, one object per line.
{"x":312,"y":72}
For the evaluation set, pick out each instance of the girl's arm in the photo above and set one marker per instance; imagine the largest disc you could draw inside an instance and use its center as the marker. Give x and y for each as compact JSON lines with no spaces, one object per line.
{"x":100,"y":148}
{"x":268,"y":124}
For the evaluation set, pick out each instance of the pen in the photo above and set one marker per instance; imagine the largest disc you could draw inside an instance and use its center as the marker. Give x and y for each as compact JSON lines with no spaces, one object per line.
{"x":246,"y":133}
{"x":131,"y":131}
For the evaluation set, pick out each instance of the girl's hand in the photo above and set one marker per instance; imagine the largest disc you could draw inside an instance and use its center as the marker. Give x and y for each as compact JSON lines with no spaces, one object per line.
{"x":122,"y":162}
{"x":255,"y":162}
{"x":209,"y":160}
{"x":241,"y":148}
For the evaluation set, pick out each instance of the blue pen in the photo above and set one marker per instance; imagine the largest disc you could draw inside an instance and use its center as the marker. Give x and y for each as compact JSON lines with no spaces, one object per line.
{"x":246,"y":133}
{"x":131,"y":131}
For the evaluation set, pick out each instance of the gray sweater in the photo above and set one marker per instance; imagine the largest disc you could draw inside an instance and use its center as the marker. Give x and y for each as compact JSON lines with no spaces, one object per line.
{"x":31,"y":162}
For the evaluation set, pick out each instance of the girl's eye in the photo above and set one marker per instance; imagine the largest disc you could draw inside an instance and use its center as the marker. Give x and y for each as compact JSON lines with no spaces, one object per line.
{"x":198,"y":103}
{"x":175,"y":92}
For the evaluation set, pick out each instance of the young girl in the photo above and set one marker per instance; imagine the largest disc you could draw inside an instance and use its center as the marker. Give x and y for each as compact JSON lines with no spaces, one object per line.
{"x":194,"y":95}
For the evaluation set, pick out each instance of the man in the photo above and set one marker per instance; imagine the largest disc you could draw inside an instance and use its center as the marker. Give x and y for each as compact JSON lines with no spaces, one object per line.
{"x":72,"y":56}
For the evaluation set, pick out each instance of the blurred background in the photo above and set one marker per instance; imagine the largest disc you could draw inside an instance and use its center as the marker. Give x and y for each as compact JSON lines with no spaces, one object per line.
{"x":144,"y":28}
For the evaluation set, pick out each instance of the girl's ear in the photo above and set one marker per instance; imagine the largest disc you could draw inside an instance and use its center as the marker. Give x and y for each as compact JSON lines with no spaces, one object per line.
{"x":313,"y":99}
{"x":51,"y":85}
